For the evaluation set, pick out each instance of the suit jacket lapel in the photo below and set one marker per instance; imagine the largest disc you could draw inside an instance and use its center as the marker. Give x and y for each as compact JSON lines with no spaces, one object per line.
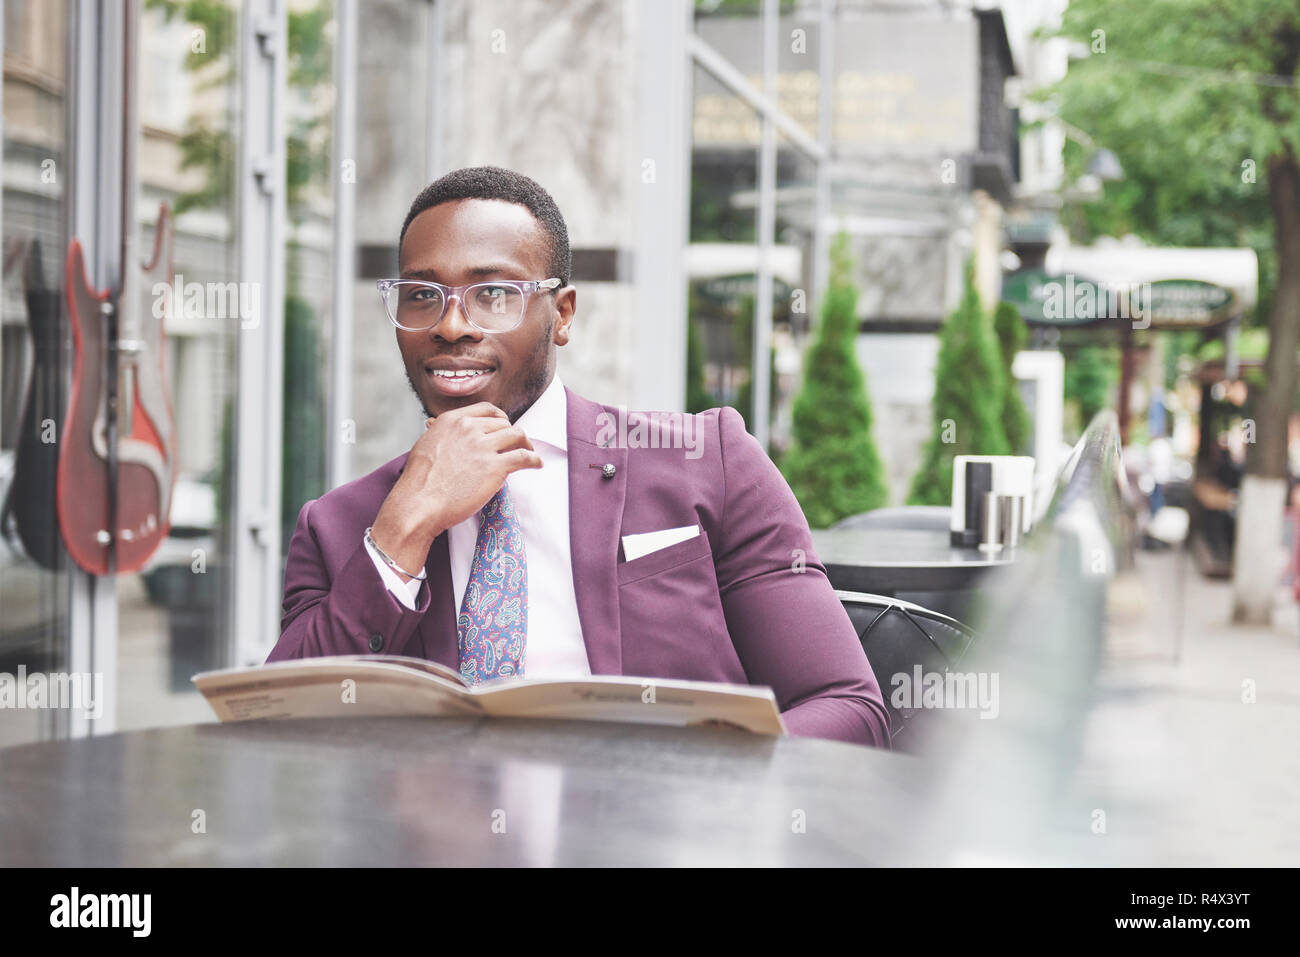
{"x":595,"y":517}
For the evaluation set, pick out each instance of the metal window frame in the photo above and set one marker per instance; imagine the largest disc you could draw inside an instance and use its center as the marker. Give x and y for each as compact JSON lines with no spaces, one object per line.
{"x":661,"y":207}
{"x":338,"y":466}
{"x":825,"y":105}
{"x":96,"y":46}
{"x":256,"y":570}
{"x":434,"y":30}
{"x":773,"y":119}
{"x":761,"y":372}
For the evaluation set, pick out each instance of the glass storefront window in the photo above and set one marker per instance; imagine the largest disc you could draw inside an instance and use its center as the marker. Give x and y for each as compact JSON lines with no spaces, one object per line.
{"x":171,"y":615}
{"x":793,"y":282}
{"x":35,"y":355}
{"x":309,"y":261}
{"x":723,"y":257}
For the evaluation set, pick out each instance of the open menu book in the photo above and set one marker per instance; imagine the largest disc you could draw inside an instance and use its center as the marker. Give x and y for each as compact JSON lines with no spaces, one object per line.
{"x":373,"y":685}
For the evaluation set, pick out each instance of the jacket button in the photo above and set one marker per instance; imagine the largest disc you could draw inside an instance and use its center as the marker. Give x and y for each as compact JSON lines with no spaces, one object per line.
{"x":376,"y":641}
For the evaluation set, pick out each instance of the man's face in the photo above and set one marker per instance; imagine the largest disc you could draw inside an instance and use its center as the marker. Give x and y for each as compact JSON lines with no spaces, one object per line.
{"x":474,"y":240}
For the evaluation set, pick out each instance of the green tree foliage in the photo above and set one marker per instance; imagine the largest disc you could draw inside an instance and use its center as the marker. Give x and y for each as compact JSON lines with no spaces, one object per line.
{"x":1011,"y":333}
{"x":1090,"y":374}
{"x":1200,"y":100}
{"x":1156,"y":89}
{"x":968,"y":397}
{"x":833,"y":466}
{"x":211,"y":149}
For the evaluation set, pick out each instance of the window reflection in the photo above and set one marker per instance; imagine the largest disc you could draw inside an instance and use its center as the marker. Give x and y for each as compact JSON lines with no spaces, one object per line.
{"x":171,"y":615}
{"x":34,"y":358}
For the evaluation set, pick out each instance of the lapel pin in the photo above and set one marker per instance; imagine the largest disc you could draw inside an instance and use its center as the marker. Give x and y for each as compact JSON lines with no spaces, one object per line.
{"x":606,"y":471}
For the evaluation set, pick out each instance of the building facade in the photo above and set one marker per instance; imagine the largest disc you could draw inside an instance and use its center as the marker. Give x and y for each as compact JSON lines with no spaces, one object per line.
{"x":703,"y":155}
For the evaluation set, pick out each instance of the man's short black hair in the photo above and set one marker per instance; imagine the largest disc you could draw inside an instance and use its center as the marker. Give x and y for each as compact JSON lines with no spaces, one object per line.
{"x":493,"y":182}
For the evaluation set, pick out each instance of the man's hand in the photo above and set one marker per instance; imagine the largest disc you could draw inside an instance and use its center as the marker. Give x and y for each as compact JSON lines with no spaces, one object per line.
{"x":459,"y":463}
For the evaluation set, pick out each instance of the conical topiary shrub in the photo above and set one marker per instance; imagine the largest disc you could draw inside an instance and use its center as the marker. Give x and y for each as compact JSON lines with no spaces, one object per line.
{"x":832,"y":465}
{"x":1011,"y":333}
{"x":967,"y":404}
{"x":1089,"y":374}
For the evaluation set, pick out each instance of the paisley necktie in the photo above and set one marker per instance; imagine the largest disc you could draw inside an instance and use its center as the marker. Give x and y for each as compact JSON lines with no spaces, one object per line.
{"x":492,"y":626}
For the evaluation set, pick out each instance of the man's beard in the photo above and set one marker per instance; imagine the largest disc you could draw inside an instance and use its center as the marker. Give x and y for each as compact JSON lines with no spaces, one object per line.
{"x":539,"y":377}
{"x":416,"y":393}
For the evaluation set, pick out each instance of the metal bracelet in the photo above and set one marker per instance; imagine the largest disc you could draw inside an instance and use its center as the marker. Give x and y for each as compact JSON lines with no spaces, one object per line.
{"x":370,"y":540}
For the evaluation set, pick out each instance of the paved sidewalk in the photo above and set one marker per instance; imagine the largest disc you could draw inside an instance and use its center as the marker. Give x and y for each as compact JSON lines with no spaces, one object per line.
{"x":1187,"y":770}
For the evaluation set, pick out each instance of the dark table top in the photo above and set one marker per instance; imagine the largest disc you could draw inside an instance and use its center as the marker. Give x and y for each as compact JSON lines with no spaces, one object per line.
{"x":452,"y":791}
{"x":892,"y":560}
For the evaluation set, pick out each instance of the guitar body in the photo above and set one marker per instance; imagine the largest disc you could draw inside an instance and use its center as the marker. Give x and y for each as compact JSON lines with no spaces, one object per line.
{"x":83,"y":475}
{"x":112,"y":525}
{"x":147,"y":446}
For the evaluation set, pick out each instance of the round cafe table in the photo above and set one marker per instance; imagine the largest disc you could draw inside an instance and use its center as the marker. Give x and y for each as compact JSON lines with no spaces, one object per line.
{"x":451,"y":791}
{"x":888,"y":561}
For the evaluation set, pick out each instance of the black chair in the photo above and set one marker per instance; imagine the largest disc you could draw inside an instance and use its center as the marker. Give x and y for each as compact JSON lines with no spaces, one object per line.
{"x":915,"y":518}
{"x":897,"y":636}
{"x":924,"y":518}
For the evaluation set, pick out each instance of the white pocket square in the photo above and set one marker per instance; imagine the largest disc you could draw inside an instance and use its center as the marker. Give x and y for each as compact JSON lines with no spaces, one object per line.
{"x":643,"y":543}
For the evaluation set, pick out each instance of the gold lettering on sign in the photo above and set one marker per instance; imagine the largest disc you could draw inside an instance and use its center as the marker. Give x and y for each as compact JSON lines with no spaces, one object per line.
{"x":871,"y":109}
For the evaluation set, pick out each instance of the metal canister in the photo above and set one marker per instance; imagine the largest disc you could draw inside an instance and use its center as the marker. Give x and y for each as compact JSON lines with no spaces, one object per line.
{"x":1012,"y":508}
{"x":991,"y":523}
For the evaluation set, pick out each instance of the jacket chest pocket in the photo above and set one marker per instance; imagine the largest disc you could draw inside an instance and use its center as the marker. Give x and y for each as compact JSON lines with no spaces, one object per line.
{"x":664,"y":559}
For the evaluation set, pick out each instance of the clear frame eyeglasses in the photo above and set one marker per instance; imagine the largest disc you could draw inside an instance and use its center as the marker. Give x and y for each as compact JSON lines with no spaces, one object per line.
{"x":497,"y":305}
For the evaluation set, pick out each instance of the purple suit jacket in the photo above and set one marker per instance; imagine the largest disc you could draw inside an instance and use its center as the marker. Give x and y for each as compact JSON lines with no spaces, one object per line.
{"x":745,"y":602}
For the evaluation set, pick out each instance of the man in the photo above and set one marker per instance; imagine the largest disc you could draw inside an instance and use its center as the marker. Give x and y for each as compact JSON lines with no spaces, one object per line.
{"x":493,"y":546}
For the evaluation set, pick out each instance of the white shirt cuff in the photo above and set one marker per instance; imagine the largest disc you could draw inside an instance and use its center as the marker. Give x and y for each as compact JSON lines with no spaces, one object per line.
{"x":405,"y":592}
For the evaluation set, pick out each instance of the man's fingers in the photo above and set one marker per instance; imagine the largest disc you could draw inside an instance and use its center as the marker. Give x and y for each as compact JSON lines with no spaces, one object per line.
{"x":511,"y":437}
{"x":490,"y":425}
{"x":517,"y":459}
{"x":481,"y":409}
{"x":475,"y":411}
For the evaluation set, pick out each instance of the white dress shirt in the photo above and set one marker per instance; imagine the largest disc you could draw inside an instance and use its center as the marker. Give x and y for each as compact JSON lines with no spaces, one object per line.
{"x":554,"y":647}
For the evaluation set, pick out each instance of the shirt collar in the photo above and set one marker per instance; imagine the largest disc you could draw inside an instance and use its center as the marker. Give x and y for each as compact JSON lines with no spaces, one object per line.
{"x":547,"y":418}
